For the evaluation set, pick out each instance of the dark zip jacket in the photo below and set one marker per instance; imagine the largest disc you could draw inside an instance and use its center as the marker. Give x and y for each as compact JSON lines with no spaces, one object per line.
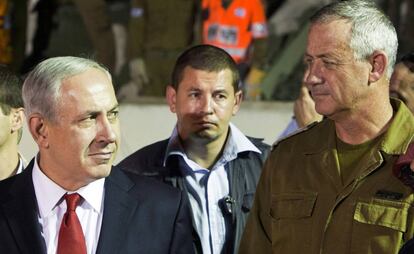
{"x":243,"y":173}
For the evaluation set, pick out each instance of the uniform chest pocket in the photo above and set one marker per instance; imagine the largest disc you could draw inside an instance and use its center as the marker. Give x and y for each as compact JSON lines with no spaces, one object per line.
{"x":391,"y":214}
{"x":292,"y":205}
{"x":379,"y":226}
{"x":292,"y":221}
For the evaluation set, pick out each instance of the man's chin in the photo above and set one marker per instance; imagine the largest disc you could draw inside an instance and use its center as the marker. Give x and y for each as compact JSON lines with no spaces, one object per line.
{"x":205,"y":135}
{"x":101,"y":171}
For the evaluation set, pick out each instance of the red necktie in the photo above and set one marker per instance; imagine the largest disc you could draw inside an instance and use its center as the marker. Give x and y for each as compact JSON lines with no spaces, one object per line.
{"x":71,"y":239}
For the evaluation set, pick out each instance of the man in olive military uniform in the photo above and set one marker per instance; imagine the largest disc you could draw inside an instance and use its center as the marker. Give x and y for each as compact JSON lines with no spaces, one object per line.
{"x":159,"y":30}
{"x":74,"y":28}
{"x":331,"y":188}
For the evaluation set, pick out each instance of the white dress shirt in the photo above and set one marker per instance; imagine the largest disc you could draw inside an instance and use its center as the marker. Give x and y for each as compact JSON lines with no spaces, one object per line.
{"x":52,"y":207}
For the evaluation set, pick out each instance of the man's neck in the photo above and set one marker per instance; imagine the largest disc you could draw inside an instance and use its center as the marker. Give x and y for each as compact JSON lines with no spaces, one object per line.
{"x":9,"y":158}
{"x":205,"y":153}
{"x":359,"y":127}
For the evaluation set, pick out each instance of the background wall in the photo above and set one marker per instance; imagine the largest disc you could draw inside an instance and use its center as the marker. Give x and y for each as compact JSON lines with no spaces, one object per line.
{"x":146,"y":122}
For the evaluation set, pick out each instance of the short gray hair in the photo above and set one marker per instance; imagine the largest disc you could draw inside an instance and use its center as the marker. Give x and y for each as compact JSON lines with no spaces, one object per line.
{"x":41,"y":88}
{"x":371,"y":28}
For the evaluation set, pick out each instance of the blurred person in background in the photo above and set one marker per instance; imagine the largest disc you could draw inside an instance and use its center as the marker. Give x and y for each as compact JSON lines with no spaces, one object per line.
{"x":11,"y":123}
{"x":159,"y":30}
{"x":304,"y":113}
{"x":13,"y":19}
{"x":239,"y":27}
{"x":72,"y":28}
{"x":402,"y":80}
{"x":401,"y":13}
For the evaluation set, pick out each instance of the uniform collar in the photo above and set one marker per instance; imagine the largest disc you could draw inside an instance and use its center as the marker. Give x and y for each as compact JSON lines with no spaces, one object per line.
{"x":396,"y":139}
{"x":400,"y":133}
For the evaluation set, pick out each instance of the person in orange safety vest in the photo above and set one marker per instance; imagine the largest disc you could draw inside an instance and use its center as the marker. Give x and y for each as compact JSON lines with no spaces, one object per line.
{"x":235,"y":26}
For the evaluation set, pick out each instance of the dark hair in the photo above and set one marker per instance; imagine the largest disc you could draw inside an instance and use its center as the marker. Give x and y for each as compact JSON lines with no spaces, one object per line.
{"x":10,"y":90}
{"x":207,"y":58}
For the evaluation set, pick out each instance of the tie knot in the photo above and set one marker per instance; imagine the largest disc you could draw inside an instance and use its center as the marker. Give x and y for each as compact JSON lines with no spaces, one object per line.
{"x":72,"y":200}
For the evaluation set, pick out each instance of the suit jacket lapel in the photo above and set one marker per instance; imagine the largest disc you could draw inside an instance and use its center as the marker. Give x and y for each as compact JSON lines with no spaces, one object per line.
{"x":118,"y":209}
{"x":21,"y":213}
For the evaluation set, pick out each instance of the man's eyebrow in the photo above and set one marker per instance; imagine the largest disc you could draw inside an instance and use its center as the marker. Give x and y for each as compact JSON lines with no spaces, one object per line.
{"x":220,"y":90}
{"x":192,"y":88}
{"x":97,"y":112}
{"x":324,"y":55}
{"x":114,"y":108}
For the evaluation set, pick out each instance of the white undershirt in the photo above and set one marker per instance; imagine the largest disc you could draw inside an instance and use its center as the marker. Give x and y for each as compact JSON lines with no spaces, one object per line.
{"x":52,"y":207}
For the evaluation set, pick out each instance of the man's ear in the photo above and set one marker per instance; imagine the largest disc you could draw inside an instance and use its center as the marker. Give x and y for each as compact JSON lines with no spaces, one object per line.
{"x":17,"y":118}
{"x":238,"y":97}
{"x":171,"y":96}
{"x":379,"y":63}
{"x":38,"y":129}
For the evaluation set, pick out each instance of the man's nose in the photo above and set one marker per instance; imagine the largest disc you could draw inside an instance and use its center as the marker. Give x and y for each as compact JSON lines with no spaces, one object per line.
{"x":312,"y":74}
{"x":106,"y":131}
{"x":206,"y":104}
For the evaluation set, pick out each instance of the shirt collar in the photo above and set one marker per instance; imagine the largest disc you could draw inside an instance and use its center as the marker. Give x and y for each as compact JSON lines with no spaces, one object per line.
{"x":236,"y":143}
{"x":49,"y":194}
{"x":20,"y":165}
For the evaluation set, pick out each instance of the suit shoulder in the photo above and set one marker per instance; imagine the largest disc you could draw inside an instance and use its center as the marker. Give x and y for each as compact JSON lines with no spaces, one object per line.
{"x":5,"y":186}
{"x":150,"y":185}
{"x":10,"y":186}
{"x":149,"y":155}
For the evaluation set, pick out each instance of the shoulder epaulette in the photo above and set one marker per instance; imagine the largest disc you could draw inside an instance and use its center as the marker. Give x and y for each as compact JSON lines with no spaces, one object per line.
{"x":294,"y":133}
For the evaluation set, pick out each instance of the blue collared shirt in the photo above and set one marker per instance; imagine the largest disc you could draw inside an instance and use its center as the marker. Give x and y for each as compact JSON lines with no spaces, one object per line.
{"x":207,"y":187}
{"x":290,"y":128}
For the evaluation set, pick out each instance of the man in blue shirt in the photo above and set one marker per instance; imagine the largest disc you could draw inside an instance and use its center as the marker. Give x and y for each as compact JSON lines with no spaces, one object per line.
{"x":206,"y":155}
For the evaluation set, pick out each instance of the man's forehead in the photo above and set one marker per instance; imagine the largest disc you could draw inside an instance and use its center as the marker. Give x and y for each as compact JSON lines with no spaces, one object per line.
{"x":334,"y":30}
{"x":206,"y":74}
{"x":87,"y":93}
{"x":190,"y":68}
{"x":327,"y":39}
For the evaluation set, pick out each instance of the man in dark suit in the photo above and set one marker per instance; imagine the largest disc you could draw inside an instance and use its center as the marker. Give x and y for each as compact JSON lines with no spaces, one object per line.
{"x":70,"y":199}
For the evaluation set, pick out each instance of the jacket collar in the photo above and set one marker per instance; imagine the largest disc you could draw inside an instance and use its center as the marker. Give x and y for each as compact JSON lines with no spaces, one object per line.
{"x":119,"y":206}
{"x":396,"y":139}
{"x":401,"y":131}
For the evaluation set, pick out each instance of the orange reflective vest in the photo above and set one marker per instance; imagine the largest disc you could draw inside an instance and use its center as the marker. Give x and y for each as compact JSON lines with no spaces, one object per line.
{"x":233,"y":28}
{"x":5,"y":47}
